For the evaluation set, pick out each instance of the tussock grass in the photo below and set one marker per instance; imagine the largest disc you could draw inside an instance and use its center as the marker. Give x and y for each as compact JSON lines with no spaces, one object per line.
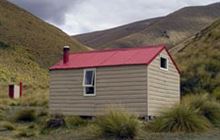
{"x":37,"y":98}
{"x":28,"y":115}
{"x":180,"y":119}
{"x":195,"y":100}
{"x":74,"y":121}
{"x":31,"y":97}
{"x":7,"y":125}
{"x":118,"y":124}
{"x":205,"y":106}
{"x":24,"y":132}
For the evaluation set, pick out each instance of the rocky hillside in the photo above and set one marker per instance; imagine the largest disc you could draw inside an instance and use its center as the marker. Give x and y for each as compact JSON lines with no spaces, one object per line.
{"x":171,"y":29}
{"x":28,"y":45}
{"x":199,"y":61}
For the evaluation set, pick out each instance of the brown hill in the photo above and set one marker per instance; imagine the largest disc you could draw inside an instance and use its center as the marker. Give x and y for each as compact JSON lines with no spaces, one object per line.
{"x":42,"y":40}
{"x":171,"y":29}
{"x":28,"y":46}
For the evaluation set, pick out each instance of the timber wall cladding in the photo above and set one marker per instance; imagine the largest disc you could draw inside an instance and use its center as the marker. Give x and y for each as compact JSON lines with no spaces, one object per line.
{"x":163,"y":86}
{"x":125,"y":86}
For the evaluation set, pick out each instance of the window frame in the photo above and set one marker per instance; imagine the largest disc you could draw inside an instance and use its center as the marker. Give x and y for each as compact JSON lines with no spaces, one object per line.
{"x":167,"y":61}
{"x":94,"y":84}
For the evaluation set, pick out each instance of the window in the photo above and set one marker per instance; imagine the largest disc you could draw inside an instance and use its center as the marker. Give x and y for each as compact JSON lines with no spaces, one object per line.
{"x":89,"y":82}
{"x":163,"y":63}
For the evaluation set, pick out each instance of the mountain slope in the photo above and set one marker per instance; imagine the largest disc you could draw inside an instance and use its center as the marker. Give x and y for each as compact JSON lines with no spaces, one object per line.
{"x":44,"y":41}
{"x":171,"y":29}
{"x":28,"y":45}
{"x":199,"y":61}
{"x":99,"y":38}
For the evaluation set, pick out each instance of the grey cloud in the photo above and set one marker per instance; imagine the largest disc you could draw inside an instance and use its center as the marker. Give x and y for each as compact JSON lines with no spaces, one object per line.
{"x":49,"y":10}
{"x":80,"y":16}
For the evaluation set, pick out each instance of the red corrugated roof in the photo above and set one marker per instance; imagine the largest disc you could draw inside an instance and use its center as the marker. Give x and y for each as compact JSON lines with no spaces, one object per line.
{"x":113,"y":57}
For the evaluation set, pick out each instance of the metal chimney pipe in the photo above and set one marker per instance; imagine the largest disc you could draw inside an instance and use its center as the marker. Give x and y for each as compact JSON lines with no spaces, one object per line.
{"x":66,"y":54}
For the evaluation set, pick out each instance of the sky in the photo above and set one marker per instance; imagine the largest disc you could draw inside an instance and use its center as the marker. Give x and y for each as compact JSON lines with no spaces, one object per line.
{"x":81,"y":16}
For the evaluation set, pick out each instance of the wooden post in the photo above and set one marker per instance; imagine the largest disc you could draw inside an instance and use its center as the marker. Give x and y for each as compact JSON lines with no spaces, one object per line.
{"x":21,"y":89}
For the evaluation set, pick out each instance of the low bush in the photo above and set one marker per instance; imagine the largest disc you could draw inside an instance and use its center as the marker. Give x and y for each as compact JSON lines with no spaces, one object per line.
{"x":55,"y":121}
{"x":74,"y":121}
{"x":180,"y":119}
{"x":27,"y":115}
{"x":205,"y":106}
{"x":118,"y":124}
{"x":216,"y":93}
{"x":211,"y":111}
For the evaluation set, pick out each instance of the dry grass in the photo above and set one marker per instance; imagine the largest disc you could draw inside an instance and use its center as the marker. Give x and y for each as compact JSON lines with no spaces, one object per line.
{"x":206,"y":106}
{"x":180,"y":118}
{"x":7,"y":125}
{"x":199,"y":62}
{"x":119,"y":124}
{"x":28,"y":46}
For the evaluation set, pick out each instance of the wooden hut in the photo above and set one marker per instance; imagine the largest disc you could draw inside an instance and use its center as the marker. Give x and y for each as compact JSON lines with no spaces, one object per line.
{"x":143,"y":80}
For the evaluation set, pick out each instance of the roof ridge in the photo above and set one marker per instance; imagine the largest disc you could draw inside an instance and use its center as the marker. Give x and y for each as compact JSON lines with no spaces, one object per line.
{"x":120,"y":49}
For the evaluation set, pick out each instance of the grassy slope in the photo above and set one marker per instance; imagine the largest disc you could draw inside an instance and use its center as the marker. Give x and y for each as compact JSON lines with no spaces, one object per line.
{"x":199,"y":61}
{"x":28,"y":45}
{"x":98,"y":38}
{"x":178,"y":26}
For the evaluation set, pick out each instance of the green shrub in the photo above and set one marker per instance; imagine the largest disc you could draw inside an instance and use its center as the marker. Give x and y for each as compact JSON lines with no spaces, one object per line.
{"x":180,"y":119}
{"x":118,"y":124}
{"x":216,"y":94}
{"x":27,"y":115}
{"x":74,"y":121}
{"x":8,"y":125}
{"x":211,"y":110}
{"x":205,"y":106}
{"x":92,"y":129}
{"x":195,"y":101}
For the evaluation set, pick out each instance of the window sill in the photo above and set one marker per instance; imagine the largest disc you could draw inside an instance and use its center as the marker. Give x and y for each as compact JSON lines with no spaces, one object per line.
{"x":89,"y":95}
{"x":164,"y":69}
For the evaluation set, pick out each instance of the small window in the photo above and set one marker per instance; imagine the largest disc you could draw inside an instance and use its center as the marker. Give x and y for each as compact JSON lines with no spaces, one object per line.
{"x":163,"y":63}
{"x":89,"y":82}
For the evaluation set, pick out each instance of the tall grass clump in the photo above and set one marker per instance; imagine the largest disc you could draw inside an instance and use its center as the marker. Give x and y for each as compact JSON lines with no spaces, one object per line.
{"x":180,"y":119}
{"x":118,"y":124}
{"x":74,"y":121}
{"x":205,"y":106}
{"x":28,"y":115}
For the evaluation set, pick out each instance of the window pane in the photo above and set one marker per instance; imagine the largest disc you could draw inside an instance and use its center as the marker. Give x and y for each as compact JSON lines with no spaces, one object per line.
{"x":89,"y":90}
{"x":89,"y":81}
{"x":163,"y":63}
{"x":89,"y":77}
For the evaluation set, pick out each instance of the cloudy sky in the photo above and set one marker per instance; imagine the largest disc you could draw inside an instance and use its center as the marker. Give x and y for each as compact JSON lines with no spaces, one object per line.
{"x":80,"y":16}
